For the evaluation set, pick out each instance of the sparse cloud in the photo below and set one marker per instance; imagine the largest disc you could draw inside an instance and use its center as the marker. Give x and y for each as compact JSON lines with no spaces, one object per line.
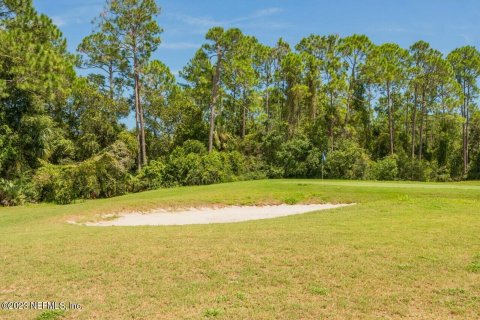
{"x":201,"y":23}
{"x":257,"y":15}
{"x":78,"y":15}
{"x":179,"y":45}
{"x":468,"y":39}
{"x":58,"y":21}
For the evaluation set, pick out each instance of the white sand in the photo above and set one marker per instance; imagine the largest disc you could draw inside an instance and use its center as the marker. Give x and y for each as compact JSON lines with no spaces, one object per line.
{"x":211,"y":215}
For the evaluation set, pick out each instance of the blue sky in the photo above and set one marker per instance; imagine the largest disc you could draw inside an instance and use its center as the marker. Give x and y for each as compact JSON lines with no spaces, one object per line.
{"x":446,"y":24}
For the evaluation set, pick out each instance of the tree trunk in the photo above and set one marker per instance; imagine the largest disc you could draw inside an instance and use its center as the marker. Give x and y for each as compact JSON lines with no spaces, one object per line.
{"x":351,"y":86}
{"x":267,"y":99}
{"x":215,"y":91}
{"x":414,"y":122}
{"x":244,"y":115}
{"x":422,"y":115}
{"x":313,"y":100}
{"x":139,"y":109}
{"x":390,"y":119}
{"x":332,"y":124}
{"x":466,"y":125}
{"x":137,"y":130}
{"x":110,"y":79}
{"x":138,"y":118}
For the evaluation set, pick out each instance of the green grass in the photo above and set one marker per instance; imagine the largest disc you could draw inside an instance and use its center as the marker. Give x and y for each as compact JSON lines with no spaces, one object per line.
{"x":406,"y":250}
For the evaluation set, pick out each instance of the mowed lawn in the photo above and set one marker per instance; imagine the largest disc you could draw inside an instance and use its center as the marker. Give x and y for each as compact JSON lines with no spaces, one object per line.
{"x":406,"y":250}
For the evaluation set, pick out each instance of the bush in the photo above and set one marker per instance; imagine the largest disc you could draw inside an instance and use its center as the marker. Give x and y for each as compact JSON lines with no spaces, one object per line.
{"x":385,"y":169}
{"x":194,"y":146}
{"x":195,"y":169}
{"x":104,"y":175}
{"x":214,"y":168}
{"x":418,"y":170}
{"x":16,"y":192}
{"x":292,"y":157}
{"x":314,"y":163}
{"x":192,"y":165}
{"x":151,"y":176}
{"x":54,"y":183}
{"x":349,"y":161}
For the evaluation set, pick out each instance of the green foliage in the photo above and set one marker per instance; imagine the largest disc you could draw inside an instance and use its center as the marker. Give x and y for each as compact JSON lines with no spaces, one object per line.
{"x":197,"y":169}
{"x":51,"y":315}
{"x":212,"y":313}
{"x":421,"y":171}
{"x":16,"y":192}
{"x":194,"y":146}
{"x":317,"y":290}
{"x":192,"y":165}
{"x":292,"y":157}
{"x":385,"y":169}
{"x":152,"y":176}
{"x":349,"y":161}
{"x":8,"y":150}
{"x":267,"y":111}
{"x":55,"y":183}
{"x":475,"y":265}
{"x":104,"y":175}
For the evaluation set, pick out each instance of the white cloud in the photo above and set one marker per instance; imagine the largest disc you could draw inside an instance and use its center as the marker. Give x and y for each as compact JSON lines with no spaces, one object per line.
{"x":257,"y":15}
{"x":58,"y":21}
{"x":468,"y":39}
{"x":78,"y":15}
{"x":203,"y":23}
{"x":179,"y":45}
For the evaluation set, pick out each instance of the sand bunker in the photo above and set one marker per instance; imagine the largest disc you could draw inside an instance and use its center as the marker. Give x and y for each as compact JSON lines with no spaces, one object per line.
{"x":211,"y":215}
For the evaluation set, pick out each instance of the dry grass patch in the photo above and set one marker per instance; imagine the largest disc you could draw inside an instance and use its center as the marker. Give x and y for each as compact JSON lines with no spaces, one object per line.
{"x":400,"y":253}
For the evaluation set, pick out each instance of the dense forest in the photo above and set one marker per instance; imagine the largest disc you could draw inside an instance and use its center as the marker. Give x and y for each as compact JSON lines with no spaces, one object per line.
{"x":239,"y":109}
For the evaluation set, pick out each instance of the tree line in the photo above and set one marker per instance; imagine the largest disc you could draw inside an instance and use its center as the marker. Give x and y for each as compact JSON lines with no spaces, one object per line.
{"x":240,"y":109}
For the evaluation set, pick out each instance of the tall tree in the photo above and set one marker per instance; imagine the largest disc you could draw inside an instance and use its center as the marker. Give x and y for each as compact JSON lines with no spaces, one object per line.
{"x":245,"y":79}
{"x":264,"y":63}
{"x":386,"y":67}
{"x":326,"y":50}
{"x":354,"y":50}
{"x":36,"y":73}
{"x":221,"y":45}
{"x":133,"y":24}
{"x":159,"y":94}
{"x":101,"y":50}
{"x":431,"y":75}
{"x":466,"y":65}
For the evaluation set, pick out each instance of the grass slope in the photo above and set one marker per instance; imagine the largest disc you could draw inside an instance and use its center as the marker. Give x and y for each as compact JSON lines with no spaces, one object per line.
{"x":407,"y":250}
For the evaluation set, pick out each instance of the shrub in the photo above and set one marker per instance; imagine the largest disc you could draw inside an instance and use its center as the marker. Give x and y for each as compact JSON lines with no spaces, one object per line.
{"x":194,"y":146}
{"x":314,"y":163}
{"x":443,"y":174}
{"x":254,"y":168}
{"x":151,"y":176}
{"x":349,"y":161}
{"x":292,"y":157}
{"x":54,"y":183}
{"x":183,"y":167}
{"x":419,"y":170}
{"x":385,"y":169}
{"x":236,"y":162}
{"x":15,"y":192}
{"x":214,"y":168}
{"x":104,"y":175}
